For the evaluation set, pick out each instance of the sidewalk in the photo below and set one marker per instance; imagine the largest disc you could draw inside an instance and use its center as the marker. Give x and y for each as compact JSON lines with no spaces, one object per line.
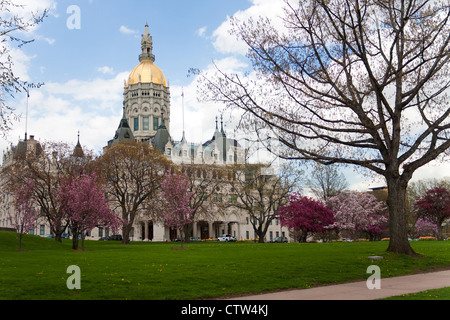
{"x":359,"y":291}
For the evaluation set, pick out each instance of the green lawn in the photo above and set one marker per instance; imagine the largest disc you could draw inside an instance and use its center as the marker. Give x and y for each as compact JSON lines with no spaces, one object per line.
{"x":435,"y":294}
{"x":153,"y":271}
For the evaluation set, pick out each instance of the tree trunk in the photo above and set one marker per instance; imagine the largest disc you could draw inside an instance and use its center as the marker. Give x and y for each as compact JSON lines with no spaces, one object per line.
{"x":83,"y":235}
{"x":399,"y":242}
{"x":58,"y":230}
{"x":20,"y":241}
{"x":126,"y":229}
{"x":74,"y":240}
{"x":439,"y":231}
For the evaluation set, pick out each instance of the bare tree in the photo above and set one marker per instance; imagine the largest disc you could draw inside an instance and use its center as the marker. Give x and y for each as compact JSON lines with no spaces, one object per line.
{"x":354,"y":82}
{"x":326,"y":182}
{"x":204,"y":180}
{"x":11,"y":25}
{"x":260,"y":192}
{"x":132,"y":173}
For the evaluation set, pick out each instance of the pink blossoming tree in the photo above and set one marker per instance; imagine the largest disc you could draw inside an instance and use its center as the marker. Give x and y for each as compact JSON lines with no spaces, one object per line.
{"x":306,"y":216}
{"x":357,"y":212}
{"x":25,"y":215}
{"x":434,"y":207}
{"x":85,"y":207}
{"x":177,"y":213}
{"x":424,"y":228}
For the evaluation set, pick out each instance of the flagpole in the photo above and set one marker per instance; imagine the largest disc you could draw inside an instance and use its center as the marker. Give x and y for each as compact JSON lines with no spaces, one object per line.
{"x":182,"y":96}
{"x":26,"y":116}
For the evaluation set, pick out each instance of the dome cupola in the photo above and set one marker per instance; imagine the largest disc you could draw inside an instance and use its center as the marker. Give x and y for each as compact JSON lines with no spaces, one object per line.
{"x":146,"y":71}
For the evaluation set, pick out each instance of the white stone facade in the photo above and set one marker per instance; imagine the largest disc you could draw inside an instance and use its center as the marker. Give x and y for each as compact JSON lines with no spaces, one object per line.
{"x":146,"y":117}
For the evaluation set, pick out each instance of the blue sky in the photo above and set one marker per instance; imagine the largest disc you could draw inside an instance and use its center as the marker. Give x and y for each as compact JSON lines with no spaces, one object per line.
{"x":84,"y":68}
{"x":109,"y":36}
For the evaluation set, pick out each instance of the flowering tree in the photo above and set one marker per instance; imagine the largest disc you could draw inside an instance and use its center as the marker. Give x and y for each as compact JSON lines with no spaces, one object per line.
{"x":425,"y":228}
{"x":85,"y":206}
{"x":434,"y":207}
{"x":24,"y":217}
{"x":176,"y":196}
{"x":358,"y":212}
{"x":48,"y":164}
{"x":363,"y":83}
{"x":306,"y":216}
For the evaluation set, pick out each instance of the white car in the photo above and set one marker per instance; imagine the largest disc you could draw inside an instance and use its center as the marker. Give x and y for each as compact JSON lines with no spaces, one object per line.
{"x":226,"y":237}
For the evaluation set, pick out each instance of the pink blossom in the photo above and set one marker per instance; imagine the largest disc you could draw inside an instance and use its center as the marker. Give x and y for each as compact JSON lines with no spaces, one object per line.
{"x":176,"y":196}
{"x":84,"y":203}
{"x":358,"y":211}
{"x":25,"y":215}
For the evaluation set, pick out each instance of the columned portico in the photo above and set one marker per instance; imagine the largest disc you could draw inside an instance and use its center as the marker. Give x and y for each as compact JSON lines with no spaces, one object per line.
{"x":147,"y":231}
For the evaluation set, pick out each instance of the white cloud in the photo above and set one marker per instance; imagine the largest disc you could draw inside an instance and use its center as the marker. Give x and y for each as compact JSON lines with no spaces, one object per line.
{"x":21,"y":63}
{"x":200,"y":117}
{"x":228,"y":43}
{"x":50,"y":41}
{"x":201,"y":32}
{"x":58,"y":110}
{"x":106,"y":70}
{"x":27,"y":8}
{"x":126,"y":30}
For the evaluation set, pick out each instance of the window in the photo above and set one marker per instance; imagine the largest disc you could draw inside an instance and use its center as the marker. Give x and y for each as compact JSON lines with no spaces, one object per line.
{"x":136,"y":124}
{"x":100,"y":232}
{"x":247,"y":235}
{"x":169,"y":152}
{"x":185,"y":153}
{"x":233,"y":198}
{"x":155,"y":123}
{"x":145,"y":123}
{"x":42,"y":230}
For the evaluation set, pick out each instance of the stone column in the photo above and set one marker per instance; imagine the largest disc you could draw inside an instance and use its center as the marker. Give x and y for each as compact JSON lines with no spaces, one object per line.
{"x":210,"y":229}
{"x":146,"y":230}
{"x":194,"y":229}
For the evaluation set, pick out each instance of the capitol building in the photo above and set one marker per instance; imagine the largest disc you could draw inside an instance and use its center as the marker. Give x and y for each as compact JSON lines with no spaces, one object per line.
{"x":146,"y":118}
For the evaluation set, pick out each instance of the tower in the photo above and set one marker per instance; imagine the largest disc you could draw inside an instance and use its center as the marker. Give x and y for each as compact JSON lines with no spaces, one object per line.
{"x":146,"y":94}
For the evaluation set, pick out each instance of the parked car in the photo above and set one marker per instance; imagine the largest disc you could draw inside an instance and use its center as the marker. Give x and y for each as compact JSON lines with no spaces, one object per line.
{"x":226,"y":237}
{"x":115,"y":237}
{"x":280,"y":239}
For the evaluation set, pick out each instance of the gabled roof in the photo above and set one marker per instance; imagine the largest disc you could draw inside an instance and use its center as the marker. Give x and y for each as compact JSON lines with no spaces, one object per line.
{"x":123,"y":132}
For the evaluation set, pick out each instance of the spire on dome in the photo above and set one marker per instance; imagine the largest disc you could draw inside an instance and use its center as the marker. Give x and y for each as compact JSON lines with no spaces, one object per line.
{"x":147,"y":46}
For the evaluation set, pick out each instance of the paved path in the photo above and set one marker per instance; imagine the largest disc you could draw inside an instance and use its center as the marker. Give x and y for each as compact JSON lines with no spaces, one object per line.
{"x":358,"y":290}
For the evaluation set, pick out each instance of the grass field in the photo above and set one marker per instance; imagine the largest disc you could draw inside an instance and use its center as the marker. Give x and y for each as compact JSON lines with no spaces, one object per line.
{"x":154,"y":271}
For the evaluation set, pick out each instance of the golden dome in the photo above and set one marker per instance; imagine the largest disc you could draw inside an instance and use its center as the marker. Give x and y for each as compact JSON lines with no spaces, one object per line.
{"x":146,"y":72}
